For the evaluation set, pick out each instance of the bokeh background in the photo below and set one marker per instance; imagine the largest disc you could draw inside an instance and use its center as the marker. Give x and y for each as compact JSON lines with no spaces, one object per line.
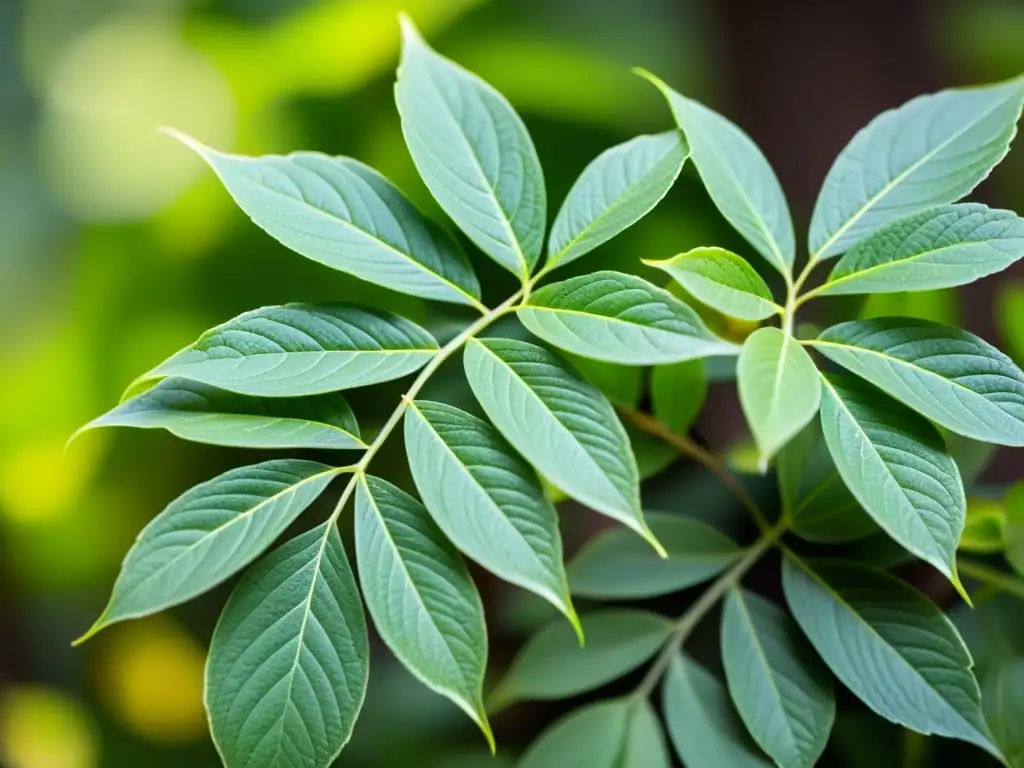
{"x":117,"y":247}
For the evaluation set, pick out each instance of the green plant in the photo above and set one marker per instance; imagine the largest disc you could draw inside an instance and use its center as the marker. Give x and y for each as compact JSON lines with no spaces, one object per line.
{"x":288,"y":664}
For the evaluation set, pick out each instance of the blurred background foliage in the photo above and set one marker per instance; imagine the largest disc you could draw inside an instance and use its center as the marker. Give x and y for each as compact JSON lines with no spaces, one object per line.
{"x":118,"y":248}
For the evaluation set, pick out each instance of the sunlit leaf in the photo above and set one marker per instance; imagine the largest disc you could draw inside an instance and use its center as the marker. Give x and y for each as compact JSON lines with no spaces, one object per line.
{"x":984,"y":526}
{"x":344,"y":214}
{"x":780,"y":687}
{"x":563,"y":426}
{"x":420,"y":595}
{"x":705,"y":728}
{"x":616,"y":565}
{"x":678,"y":391}
{"x":303,"y":349}
{"x":474,"y":154}
{"x":616,"y":190}
{"x":948,"y":375}
{"x":895,"y":464}
{"x":737,"y":176}
{"x":932,"y":150}
{"x":939,"y":248}
{"x":211,"y":532}
{"x":289,"y":659}
{"x":779,"y":389}
{"x":195,"y":411}
{"x":553,"y":665}
{"x":889,"y":645}
{"x":486,"y":499}
{"x":723,"y":281}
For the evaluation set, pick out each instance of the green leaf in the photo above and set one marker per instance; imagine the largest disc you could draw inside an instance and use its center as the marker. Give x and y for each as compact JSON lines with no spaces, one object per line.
{"x":705,"y":729}
{"x":608,"y":734}
{"x":617,"y":189}
{"x":344,"y":214}
{"x":932,"y":150}
{"x":619,"y":318}
{"x":205,"y":414}
{"x":1003,"y":703}
{"x":984,"y":526}
{"x":817,"y":503}
{"x":1014,"y":504}
{"x":209,"y":533}
{"x":553,"y":665}
{"x":473,"y":152}
{"x":421,"y":597}
{"x":889,"y":645}
{"x":895,"y":464}
{"x":940,"y":248}
{"x":623,"y":384}
{"x":487,"y":500}
{"x":562,"y":425}
{"x":780,"y":687}
{"x":653,"y":455}
{"x":723,"y":281}
{"x":737,"y":176}
{"x":303,"y":349}
{"x":289,"y":659}
{"x":779,"y":387}
{"x":678,"y":391}
{"x":950,"y":376}
{"x":615,"y":565}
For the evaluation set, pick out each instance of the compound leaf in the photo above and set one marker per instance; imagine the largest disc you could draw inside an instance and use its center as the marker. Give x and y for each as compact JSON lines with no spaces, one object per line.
{"x":561,"y":424}
{"x":619,"y":318}
{"x":474,"y":154}
{"x":421,"y":597}
{"x":617,"y":189}
{"x":932,"y":150}
{"x":303,"y":349}
{"x":209,"y":533}
{"x":948,"y":375}
{"x":487,"y":500}
{"x":723,"y":281}
{"x":195,"y":411}
{"x":289,"y":660}
{"x":344,"y":214}
{"x":889,"y":645}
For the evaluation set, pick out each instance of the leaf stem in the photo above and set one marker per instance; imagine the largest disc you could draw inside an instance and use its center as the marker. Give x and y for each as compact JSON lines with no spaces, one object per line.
{"x":693,"y":615}
{"x":687,"y":447}
{"x":1000,"y":580}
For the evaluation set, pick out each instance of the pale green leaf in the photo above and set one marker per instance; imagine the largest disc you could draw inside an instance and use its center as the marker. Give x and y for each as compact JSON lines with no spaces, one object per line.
{"x":473,"y":152}
{"x":950,"y":376}
{"x":895,"y":464}
{"x":303,"y":349}
{"x":779,"y":388}
{"x":895,"y":650}
{"x":1003,"y":704}
{"x":421,"y":597}
{"x":289,"y":660}
{"x":553,"y":665}
{"x":617,"y":189}
{"x":209,"y":533}
{"x":932,"y":150}
{"x":723,"y":281}
{"x":705,"y":728}
{"x":678,"y":391}
{"x":486,"y":499}
{"x":610,"y":734}
{"x":737,"y":176}
{"x":615,"y":565}
{"x":562,"y":425}
{"x":939,"y":248}
{"x":780,"y":687}
{"x":344,"y":214}
{"x":619,"y":318}
{"x":195,"y":411}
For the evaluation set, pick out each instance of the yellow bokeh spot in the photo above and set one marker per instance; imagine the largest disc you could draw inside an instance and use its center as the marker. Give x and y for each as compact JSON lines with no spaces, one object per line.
{"x":39,"y":482}
{"x":151,"y":678}
{"x":43,"y":728}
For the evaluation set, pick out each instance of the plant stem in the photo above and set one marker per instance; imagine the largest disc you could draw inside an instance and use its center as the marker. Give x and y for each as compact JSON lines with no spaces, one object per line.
{"x":689,"y":620}
{"x":1004,"y":582}
{"x":687,"y":447}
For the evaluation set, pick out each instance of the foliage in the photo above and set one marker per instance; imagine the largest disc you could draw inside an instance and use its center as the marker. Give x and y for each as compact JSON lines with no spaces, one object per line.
{"x":289,"y":662}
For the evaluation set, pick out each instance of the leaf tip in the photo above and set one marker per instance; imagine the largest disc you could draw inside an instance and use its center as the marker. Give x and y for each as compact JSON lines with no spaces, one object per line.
{"x":97,"y":626}
{"x":954,"y":579}
{"x":574,"y":620}
{"x":410,"y":34}
{"x":485,"y":728}
{"x":192,"y":143}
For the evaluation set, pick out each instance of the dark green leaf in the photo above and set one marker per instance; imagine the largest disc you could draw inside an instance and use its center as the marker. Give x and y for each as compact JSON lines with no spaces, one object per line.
{"x":678,"y":391}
